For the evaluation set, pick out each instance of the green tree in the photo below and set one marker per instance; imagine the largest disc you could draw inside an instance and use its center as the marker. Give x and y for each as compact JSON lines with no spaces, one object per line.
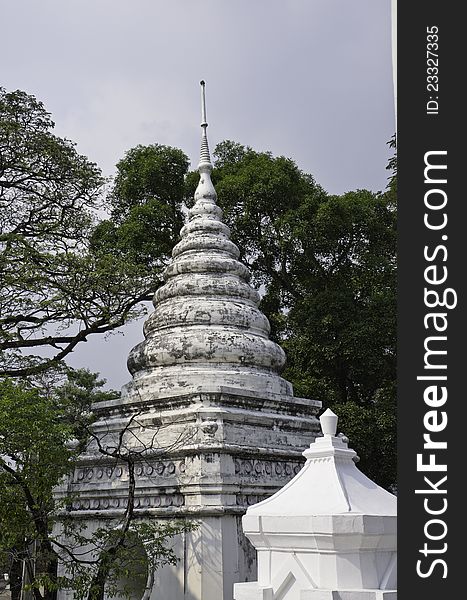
{"x":33,"y":458}
{"x":146,"y":208}
{"x":65,"y":275}
{"x":55,"y":290}
{"x":36,"y":451}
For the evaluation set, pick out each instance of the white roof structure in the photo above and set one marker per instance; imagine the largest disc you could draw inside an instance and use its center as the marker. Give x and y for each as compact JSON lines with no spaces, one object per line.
{"x":329,"y":533}
{"x":329,"y":483}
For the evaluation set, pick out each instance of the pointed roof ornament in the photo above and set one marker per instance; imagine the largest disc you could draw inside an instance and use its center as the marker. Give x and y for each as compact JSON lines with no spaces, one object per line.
{"x":205,"y":189}
{"x":204,"y":157}
{"x":328,"y":422}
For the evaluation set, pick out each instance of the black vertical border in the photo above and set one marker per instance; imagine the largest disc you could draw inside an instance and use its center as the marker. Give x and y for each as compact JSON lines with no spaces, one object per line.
{"x":418,"y":133}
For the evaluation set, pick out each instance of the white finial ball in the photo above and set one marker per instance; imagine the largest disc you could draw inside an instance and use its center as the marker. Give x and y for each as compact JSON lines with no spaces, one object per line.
{"x":328,"y":422}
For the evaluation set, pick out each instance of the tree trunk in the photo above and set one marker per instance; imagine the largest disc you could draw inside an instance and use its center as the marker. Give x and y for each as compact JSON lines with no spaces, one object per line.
{"x":106,"y":561}
{"x":97,"y":587}
{"x":16,"y":578}
{"x":51,"y":570}
{"x":47,"y":563}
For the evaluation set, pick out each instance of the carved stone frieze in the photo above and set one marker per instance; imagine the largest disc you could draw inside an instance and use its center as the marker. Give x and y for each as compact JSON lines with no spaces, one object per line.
{"x":141,"y":502}
{"x":253,"y":468}
{"x":161,"y":468}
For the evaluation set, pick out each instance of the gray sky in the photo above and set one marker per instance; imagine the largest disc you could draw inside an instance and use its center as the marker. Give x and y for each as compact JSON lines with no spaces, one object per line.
{"x":308,"y":79}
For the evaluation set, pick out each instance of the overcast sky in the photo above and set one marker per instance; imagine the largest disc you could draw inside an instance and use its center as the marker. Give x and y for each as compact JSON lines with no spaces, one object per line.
{"x":308,"y":79}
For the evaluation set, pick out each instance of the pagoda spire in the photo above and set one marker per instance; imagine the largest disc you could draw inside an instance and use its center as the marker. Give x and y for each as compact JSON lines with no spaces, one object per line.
{"x":204,"y":157}
{"x":206,"y":329}
{"x":205,"y":189}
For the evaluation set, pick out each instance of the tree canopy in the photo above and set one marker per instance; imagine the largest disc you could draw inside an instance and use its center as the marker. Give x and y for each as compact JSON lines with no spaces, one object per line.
{"x":35,"y":428}
{"x":67,"y":273}
{"x":146,"y":201}
{"x":59,"y":283}
{"x":42,"y":432}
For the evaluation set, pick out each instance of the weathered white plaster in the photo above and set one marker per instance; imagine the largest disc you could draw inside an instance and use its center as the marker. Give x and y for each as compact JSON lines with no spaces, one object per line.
{"x":329,"y":534}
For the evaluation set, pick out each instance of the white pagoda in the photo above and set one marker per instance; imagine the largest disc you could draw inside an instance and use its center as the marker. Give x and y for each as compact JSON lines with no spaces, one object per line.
{"x":207,"y":377}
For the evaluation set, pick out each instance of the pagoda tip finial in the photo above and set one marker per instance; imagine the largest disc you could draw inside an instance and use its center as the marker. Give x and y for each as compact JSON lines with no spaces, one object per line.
{"x":203,"y":103}
{"x":205,"y":158}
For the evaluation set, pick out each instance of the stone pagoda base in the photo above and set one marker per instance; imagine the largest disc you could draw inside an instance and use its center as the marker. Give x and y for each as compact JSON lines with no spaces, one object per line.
{"x":235,"y":450}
